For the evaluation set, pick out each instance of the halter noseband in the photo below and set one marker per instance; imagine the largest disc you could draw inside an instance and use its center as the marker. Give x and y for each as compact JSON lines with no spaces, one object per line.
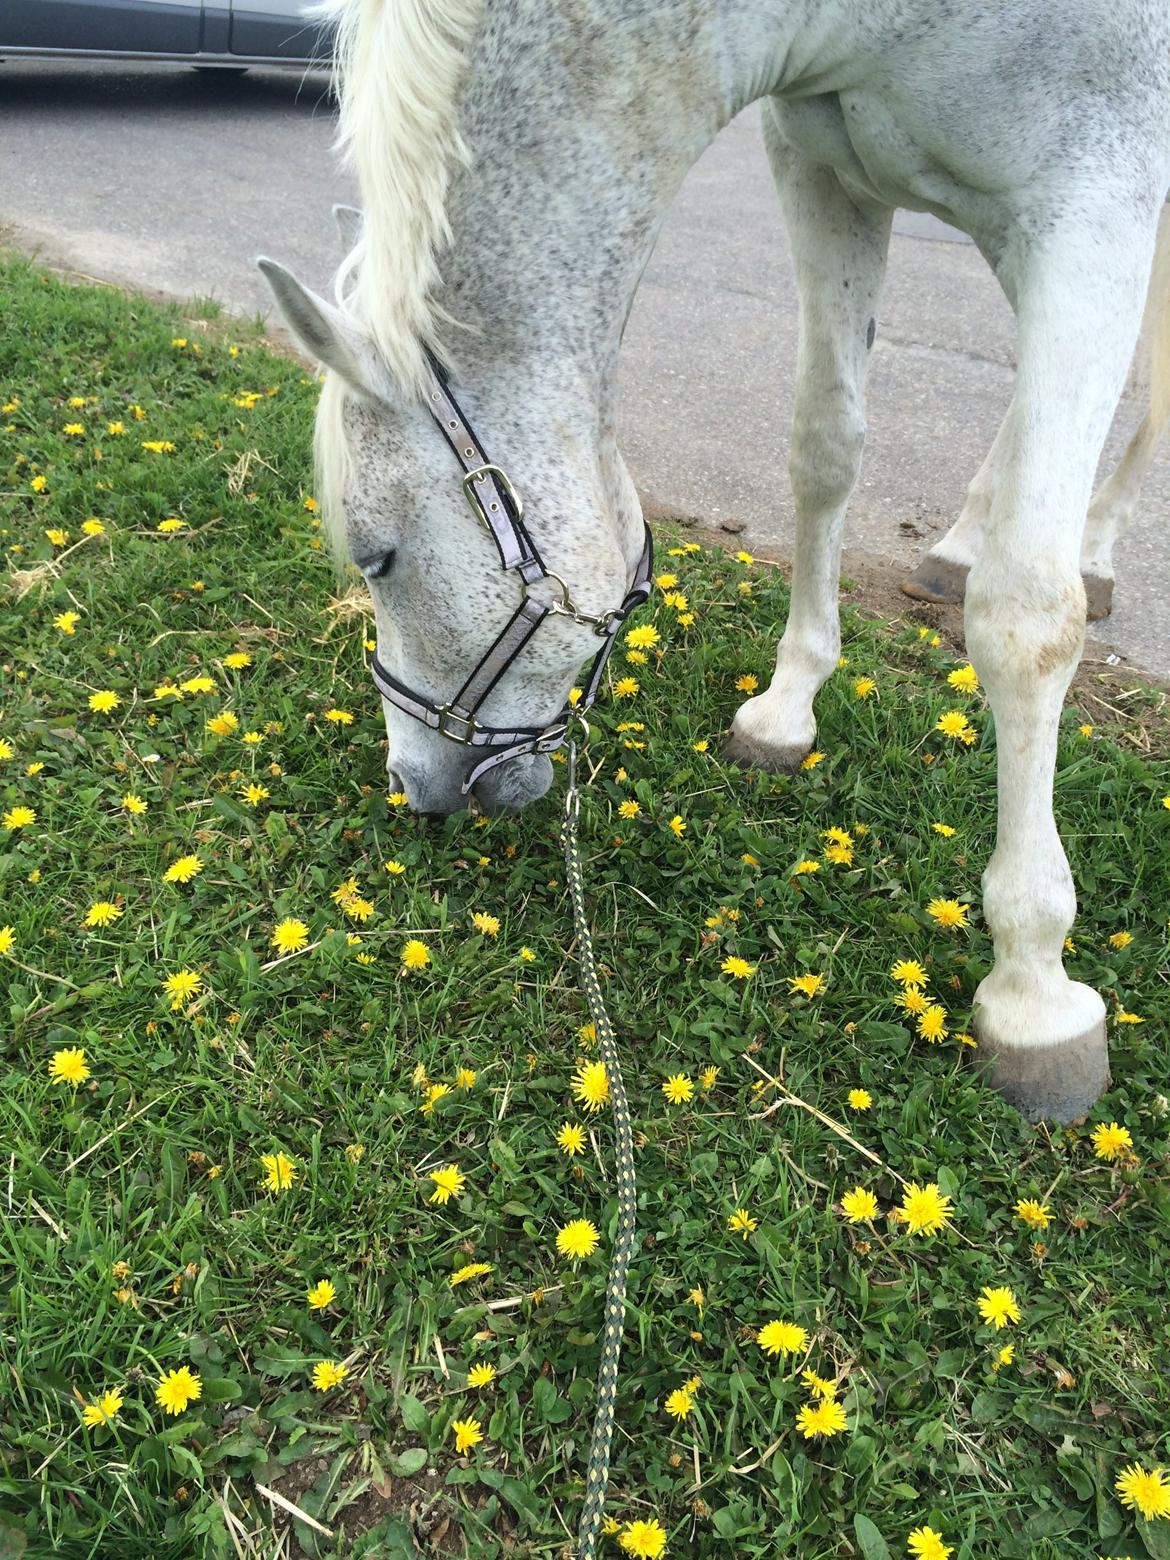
{"x":497,"y":506}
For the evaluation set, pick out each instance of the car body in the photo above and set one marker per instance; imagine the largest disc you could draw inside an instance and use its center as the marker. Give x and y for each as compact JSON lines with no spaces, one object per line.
{"x":214,"y":33}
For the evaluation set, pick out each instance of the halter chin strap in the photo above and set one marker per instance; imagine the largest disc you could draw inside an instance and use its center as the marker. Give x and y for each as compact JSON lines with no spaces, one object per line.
{"x":498,"y":507}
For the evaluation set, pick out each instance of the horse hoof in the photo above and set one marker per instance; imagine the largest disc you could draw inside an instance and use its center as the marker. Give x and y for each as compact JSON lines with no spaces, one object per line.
{"x":937,"y":580}
{"x":750,"y":754}
{"x":1098,"y":597}
{"x":1060,"y":1082}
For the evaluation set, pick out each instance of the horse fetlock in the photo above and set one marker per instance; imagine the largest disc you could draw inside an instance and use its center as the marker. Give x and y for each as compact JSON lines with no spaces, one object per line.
{"x":767,"y":734}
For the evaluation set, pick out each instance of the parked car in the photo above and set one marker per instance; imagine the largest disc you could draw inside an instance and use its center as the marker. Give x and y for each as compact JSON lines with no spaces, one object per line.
{"x":211,"y":33}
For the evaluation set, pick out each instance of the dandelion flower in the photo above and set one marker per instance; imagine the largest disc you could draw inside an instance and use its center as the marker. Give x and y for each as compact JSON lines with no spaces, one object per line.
{"x":7,"y":939}
{"x":741,"y":1223}
{"x":290,"y":935}
{"x":747,"y":683}
{"x":964,"y":678}
{"x":809,"y":985}
{"x":180,"y":986}
{"x":803,"y":867}
{"x":625,"y":687}
{"x":859,"y":1099}
{"x":255,"y":794}
{"x":1034,"y":1214}
{"x":629,"y":809}
{"x":577,"y":1239}
{"x":679,"y":1404}
{"x":779,"y":1337}
{"x":69,"y":1066}
{"x":1004,"y":1356}
{"x":481,"y":1375}
{"x":183,"y":870}
{"x":1147,"y":1492}
{"x":339,"y":717}
{"x":948,"y":913}
{"x":469,"y":1271}
{"x":591,"y":1085}
{"x":643,"y":637}
{"x":449,"y":1182}
{"x":924,"y":1209}
{"x":677,"y":826}
{"x":944,"y":829}
{"x":101,"y":913}
{"x":19,"y":817}
{"x":859,"y":1205}
{"x":925,"y":1544}
{"x":824,"y":1418}
{"x":932,"y":1024}
{"x":811,"y":760}
{"x":104,"y":700}
{"x":1121,"y":940}
{"x":415,"y":955}
{"x":678,"y":1089}
{"x":328,"y":1374}
{"x":953,"y":723}
{"x":739,"y":968}
{"x":486,"y":925}
{"x":279,"y":1171}
{"x":178,"y":1388}
{"x":132,"y":804}
{"x":1111,"y":1142}
{"x":644,"y":1540}
{"x":998,"y":1307}
{"x":67,"y":622}
{"x":103,"y":1411}
{"x":322,"y":1294}
{"x":863,"y":687}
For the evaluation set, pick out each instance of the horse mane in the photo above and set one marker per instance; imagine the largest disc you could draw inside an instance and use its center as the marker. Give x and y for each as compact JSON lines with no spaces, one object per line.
{"x":400,"y":65}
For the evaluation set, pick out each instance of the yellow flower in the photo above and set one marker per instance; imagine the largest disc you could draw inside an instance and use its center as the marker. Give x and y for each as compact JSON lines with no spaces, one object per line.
{"x":321,"y":1295}
{"x":178,"y":1388}
{"x":739,"y":968}
{"x":183,"y":870}
{"x":181,"y":985}
{"x":328,"y":1374}
{"x":811,"y":760}
{"x":577,"y":1239}
{"x":863,"y":687}
{"x":707,"y":1079}
{"x":103,"y":1411}
{"x":1085,"y":731}
{"x":279,"y":1171}
{"x":925,"y":1544}
{"x":158,"y":446}
{"x":948,"y":913}
{"x":224,"y":723}
{"x":169,"y":527}
{"x":644,"y":1540}
{"x":7,"y":939}
{"x":909,"y":973}
{"x":782,"y":1338}
{"x":132,"y":803}
{"x":19,"y":817}
{"x":69,"y":1066}
{"x":748,"y":683}
{"x":677,"y":826}
{"x":998,"y":1307}
{"x":201,"y":684}
{"x":415,"y":955}
{"x":290,"y":935}
{"x":1147,"y":1492}
{"x":571,"y":1138}
{"x":339,"y":717}
{"x":486,"y":925}
{"x":809,"y":985}
{"x":395,"y":868}
{"x":944,"y":829}
{"x":470,"y":1270}
{"x":467,"y":1434}
{"x":449,"y":1182}
{"x":701,"y":746}
{"x":643,"y":637}
{"x":115,"y":429}
{"x":1121,"y":939}
{"x":628,"y":809}
{"x":859,"y":1205}
{"x":93,"y":527}
{"x":679,"y":1403}
{"x":237,"y":660}
{"x":924,"y":1209}
{"x":481,"y":1375}
{"x":678,"y":1089}
{"x":67,"y":622}
{"x":1034,"y":1214}
{"x":839,"y":855}
{"x":39,"y":484}
{"x":741,"y":1223}
{"x":824,"y":1418}
{"x":591,"y":1085}
{"x":965,"y":679}
{"x":625,"y":687}
{"x":254,"y":794}
{"x":1111,"y":1142}
{"x":802,"y":867}
{"x":104,"y":701}
{"x":859,"y":1099}
{"x":1004,"y":1356}
{"x":58,"y":537}
{"x":101,"y":913}
{"x":932,"y":1024}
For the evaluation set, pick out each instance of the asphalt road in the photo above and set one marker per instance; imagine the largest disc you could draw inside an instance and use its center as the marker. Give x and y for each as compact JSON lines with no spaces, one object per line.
{"x":173,"y":180}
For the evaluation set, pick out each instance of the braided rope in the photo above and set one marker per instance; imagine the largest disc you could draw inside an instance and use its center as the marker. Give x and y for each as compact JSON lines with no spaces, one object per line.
{"x":597,"y":1475}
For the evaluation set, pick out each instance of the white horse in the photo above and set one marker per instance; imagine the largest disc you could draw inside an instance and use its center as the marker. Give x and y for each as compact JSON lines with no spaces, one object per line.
{"x":515,"y":162}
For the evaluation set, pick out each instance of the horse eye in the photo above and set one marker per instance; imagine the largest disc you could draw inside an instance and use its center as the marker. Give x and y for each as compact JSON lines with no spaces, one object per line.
{"x":378,"y":568}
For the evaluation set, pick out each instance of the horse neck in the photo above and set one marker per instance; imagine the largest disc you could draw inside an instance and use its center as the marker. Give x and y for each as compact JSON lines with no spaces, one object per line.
{"x":582,"y":120}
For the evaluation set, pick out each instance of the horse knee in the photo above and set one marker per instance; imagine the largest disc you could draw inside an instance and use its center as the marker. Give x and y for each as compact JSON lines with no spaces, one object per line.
{"x":826,"y":455}
{"x":1025,"y":621}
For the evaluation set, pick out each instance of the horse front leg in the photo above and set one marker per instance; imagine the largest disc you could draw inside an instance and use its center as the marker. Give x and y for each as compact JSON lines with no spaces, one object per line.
{"x":839,"y":255}
{"x":1080,"y":293}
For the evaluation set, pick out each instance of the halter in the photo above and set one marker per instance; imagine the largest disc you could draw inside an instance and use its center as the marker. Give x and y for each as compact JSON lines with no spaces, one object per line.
{"x":498,"y":508}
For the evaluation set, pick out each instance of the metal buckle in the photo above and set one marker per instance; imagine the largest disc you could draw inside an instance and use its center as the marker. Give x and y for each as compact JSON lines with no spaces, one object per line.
{"x":459,"y":727}
{"x":502,"y":481}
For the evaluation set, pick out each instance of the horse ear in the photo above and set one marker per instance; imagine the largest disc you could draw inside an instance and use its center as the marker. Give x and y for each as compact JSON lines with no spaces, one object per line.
{"x":349,"y":225}
{"x":327,"y":334}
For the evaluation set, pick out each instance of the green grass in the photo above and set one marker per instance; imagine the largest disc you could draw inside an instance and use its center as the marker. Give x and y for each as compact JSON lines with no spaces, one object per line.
{"x":317,"y":1054}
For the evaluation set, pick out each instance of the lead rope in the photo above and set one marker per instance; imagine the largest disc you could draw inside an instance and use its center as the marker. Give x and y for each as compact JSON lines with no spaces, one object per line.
{"x":597,"y":1475}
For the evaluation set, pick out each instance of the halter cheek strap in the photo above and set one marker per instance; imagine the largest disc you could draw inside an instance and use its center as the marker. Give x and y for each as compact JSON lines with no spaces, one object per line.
{"x":498,"y":507}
